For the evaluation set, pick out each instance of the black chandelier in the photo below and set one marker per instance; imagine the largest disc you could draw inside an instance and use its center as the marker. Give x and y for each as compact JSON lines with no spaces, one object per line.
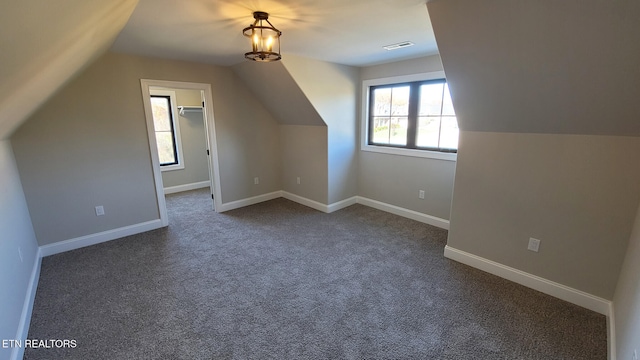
{"x":264,"y":39}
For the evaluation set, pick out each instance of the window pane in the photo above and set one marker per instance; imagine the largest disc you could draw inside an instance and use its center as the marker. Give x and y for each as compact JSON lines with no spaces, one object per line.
{"x":164,"y":140}
{"x":161,"y":114}
{"x":398,"y":130}
{"x":400,"y":100}
{"x":381,"y":130}
{"x":449,"y":133}
{"x":428,"y":132}
{"x":382,"y":102}
{"x":435,"y":121}
{"x":447,"y":104}
{"x":430,"y":99}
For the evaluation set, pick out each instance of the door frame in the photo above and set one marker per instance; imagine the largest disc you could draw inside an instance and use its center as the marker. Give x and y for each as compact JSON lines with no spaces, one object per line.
{"x":210,"y":129}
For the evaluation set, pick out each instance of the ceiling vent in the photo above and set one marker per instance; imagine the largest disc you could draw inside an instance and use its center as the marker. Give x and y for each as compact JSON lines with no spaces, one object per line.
{"x":397,"y":46}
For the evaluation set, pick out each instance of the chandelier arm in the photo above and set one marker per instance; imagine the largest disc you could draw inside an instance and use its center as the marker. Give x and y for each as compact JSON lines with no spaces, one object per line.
{"x":273,"y":27}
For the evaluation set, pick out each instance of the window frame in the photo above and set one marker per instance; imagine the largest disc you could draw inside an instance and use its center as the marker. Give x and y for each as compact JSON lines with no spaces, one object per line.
{"x":175,"y":119}
{"x":365,"y":126}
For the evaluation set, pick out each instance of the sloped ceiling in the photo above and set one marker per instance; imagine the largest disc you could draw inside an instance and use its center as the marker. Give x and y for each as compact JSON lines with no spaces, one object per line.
{"x":330,"y":88}
{"x":44,"y":43}
{"x":545,"y":66}
{"x":272,"y":84}
{"x":349,"y":32}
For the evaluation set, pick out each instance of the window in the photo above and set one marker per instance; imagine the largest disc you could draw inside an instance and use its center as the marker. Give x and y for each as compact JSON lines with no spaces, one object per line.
{"x":410,"y":115}
{"x":166,"y":129}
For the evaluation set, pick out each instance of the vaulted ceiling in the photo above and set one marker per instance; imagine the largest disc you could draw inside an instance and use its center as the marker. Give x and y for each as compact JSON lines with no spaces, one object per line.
{"x":544,"y":66}
{"x":346,"y":32}
{"x":45,"y":43}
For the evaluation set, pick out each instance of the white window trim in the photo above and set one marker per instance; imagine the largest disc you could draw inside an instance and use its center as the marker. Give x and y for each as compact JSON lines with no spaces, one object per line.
{"x":176,"y":126}
{"x":364,"y":128}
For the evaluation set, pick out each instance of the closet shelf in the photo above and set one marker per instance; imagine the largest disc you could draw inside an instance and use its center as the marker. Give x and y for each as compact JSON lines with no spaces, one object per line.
{"x":186,"y":109}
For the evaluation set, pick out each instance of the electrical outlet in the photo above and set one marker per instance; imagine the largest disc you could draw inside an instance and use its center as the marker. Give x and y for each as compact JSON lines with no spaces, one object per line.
{"x":256,"y":180}
{"x":534,"y":244}
{"x":298,"y":180}
{"x":20,"y":254}
{"x":99,"y":210}
{"x":421,"y":194}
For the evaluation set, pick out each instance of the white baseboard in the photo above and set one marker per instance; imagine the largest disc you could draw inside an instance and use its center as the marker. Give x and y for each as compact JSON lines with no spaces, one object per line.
{"x":414,"y":215}
{"x":320,"y":206}
{"x":80,"y":242}
{"x":548,"y":287}
{"x":611,"y":332}
{"x":342,"y":204}
{"x":249,"y":201}
{"x":186,"y":187}
{"x":27,"y":309}
{"x":306,"y":202}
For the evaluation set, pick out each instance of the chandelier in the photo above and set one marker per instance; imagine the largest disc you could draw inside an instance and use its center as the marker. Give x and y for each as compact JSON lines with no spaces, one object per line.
{"x":265,"y":38}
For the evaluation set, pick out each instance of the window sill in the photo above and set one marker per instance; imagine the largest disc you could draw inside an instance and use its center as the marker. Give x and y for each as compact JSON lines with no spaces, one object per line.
{"x":172,"y":167}
{"x":411,"y":152}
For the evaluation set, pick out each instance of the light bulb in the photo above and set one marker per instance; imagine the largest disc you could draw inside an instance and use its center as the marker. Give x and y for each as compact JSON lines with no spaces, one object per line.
{"x":256,"y":40}
{"x":269,"y":43}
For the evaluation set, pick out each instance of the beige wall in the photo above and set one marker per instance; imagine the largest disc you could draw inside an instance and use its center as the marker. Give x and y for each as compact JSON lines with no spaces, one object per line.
{"x":16,"y":232}
{"x":396,"y":180}
{"x":304,"y":155}
{"x":577,"y":193}
{"x":400,"y":68}
{"x":194,"y":143}
{"x":307,"y":93}
{"x":88,"y":146}
{"x":520,"y":74}
{"x":248,"y":141}
{"x":626,"y":302}
{"x":186,"y":97}
{"x":332,"y":89}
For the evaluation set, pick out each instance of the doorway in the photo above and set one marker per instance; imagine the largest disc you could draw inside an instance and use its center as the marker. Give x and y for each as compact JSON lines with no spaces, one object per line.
{"x":170,"y":155}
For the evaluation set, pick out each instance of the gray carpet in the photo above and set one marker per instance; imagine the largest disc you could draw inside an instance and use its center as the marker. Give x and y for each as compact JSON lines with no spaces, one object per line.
{"x":279,"y":280}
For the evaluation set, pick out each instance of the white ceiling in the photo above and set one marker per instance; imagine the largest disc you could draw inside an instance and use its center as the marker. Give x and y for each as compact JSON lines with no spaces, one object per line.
{"x":350,"y":32}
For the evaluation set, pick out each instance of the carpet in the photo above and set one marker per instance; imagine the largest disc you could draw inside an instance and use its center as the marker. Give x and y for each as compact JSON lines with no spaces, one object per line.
{"x":279,"y":280}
